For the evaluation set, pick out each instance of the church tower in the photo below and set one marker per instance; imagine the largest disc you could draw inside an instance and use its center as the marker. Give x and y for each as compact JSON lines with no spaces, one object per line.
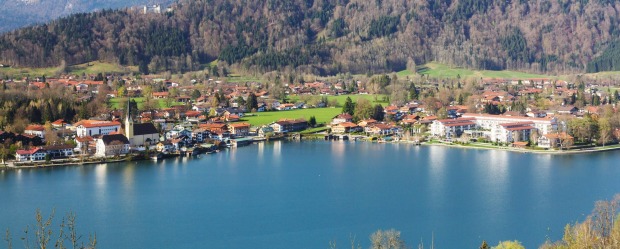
{"x":129,"y":122}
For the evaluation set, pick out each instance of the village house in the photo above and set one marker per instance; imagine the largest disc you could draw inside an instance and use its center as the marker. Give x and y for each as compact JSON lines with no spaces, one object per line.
{"x":265,"y":130}
{"x":568,"y":110}
{"x":35,"y":154}
{"x":59,"y":151}
{"x":380,"y":129}
{"x":178,"y":131}
{"x":555,"y":140}
{"x":345,"y":127}
{"x":341,"y":118}
{"x":112,"y":145}
{"x":85,"y":144}
{"x":165,"y":146}
{"x":36,"y":130}
{"x":239,"y":129}
{"x":367,"y":122}
{"x":160,"y":95}
{"x":200,"y":135}
{"x":289,"y":125}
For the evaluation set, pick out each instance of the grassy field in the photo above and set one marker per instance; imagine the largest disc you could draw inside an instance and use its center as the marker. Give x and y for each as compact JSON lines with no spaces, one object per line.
{"x":380,"y":98}
{"x":33,"y":72}
{"x":323,"y":115}
{"x":241,"y":79}
{"x":438,"y":70}
{"x":115,"y":102}
{"x":100,"y":67}
{"x":86,"y":68}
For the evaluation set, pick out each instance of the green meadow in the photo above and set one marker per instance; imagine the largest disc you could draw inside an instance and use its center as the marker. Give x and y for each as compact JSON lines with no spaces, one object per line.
{"x":322,"y":115}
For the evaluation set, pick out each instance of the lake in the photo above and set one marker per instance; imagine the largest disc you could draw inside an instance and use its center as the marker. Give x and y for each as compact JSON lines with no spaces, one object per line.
{"x":306,"y":194}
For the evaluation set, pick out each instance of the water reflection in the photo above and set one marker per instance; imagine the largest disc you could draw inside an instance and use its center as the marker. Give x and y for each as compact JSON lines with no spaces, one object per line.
{"x":100,"y":184}
{"x":436,"y":175}
{"x":338,"y":153}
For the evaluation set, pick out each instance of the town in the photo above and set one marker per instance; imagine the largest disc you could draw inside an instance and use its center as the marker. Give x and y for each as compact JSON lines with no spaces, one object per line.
{"x":202,"y":116}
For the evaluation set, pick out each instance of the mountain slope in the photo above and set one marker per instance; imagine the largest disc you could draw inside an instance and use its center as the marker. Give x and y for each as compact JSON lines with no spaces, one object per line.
{"x":329,"y":36}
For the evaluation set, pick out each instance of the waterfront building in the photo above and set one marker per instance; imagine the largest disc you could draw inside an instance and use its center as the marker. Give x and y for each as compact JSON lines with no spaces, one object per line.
{"x":112,"y":145}
{"x":290,"y":125}
{"x":139,"y":134}
{"x":59,"y":151}
{"x":451,"y":128}
{"x":490,"y":122}
{"x":555,"y":140}
{"x":512,"y":132}
{"x":345,"y":127}
{"x":36,"y":154}
{"x":239,"y":129}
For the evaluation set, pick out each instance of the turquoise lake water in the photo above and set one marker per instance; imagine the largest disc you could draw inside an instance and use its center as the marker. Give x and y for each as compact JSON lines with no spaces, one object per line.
{"x":306,"y":194}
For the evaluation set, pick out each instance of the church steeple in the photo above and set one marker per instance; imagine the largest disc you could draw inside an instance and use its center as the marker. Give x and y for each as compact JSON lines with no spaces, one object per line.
{"x":128,"y":121}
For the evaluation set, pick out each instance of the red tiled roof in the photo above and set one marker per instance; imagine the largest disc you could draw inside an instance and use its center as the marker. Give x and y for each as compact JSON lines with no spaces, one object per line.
{"x":96,"y":123}
{"x":35,"y":127}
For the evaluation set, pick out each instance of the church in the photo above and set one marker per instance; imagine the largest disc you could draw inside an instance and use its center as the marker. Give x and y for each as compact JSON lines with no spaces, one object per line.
{"x":139,"y":134}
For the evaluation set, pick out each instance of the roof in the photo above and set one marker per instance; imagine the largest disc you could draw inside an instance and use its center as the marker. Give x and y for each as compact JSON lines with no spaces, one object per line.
{"x":96,"y":123}
{"x":29,"y":152}
{"x":457,"y":122}
{"x":144,"y":129}
{"x":347,"y":125}
{"x":239,"y":125}
{"x":474,"y":115}
{"x":344,"y":116}
{"x":107,"y":139}
{"x":84,"y":139}
{"x":35,"y":128}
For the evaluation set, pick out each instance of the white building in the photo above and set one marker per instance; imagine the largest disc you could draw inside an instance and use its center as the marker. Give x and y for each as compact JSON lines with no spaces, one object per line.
{"x":112,"y":145}
{"x":512,"y":132}
{"x":96,"y":127}
{"x":451,"y":128}
{"x":490,"y":122}
{"x":35,"y":154}
{"x":35,"y":130}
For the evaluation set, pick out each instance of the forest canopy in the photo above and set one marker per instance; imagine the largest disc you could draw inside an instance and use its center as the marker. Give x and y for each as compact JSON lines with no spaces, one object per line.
{"x":332,"y":36}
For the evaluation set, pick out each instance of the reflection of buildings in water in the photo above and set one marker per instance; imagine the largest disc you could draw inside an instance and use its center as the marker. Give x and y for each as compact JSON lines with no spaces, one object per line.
{"x":541,"y":176}
{"x":277,"y":153}
{"x":261,"y":150}
{"x":129,"y":172}
{"x":101,"y":173}
{"x":497,"y":168}
{"x":338,"y":153}
{"x":436,"y":164}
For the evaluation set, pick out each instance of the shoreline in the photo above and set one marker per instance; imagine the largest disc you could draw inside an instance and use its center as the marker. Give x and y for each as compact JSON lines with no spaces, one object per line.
{"x":7,"y":166}
{"x":542,"y":152}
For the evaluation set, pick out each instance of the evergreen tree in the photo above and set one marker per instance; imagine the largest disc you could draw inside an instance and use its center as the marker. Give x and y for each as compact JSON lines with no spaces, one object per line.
{"x":312,"y":121}
{"x":349,"y":106}
{"x":251,"y":103}
{"x":378,"y":113}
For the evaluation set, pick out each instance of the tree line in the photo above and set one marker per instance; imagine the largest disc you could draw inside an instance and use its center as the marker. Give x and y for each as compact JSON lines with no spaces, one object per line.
{"x":327,"y":37}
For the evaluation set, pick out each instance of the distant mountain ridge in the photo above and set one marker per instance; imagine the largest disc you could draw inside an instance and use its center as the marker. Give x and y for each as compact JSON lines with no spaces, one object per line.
{"x":327,"y":37}
{"x":21,"y":13}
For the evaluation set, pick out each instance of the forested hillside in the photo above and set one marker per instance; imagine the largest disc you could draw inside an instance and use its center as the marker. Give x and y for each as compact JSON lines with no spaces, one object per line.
{"x":331,"y":36}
